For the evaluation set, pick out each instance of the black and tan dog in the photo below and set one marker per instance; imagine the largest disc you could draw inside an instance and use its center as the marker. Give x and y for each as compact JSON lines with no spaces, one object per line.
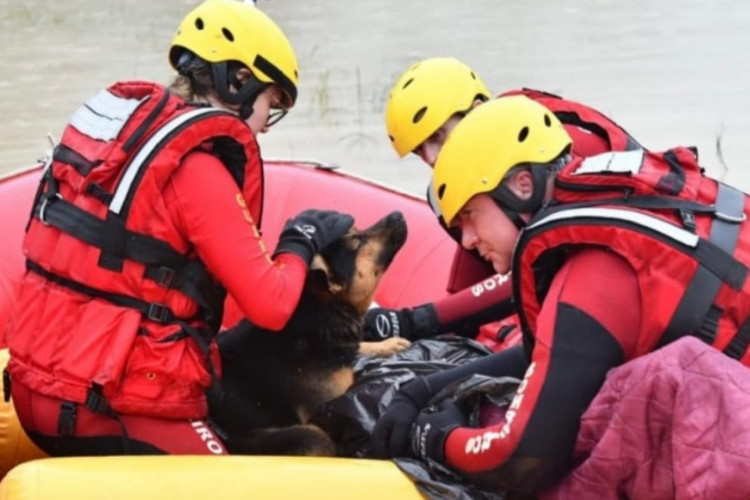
{"x":273,"y":381}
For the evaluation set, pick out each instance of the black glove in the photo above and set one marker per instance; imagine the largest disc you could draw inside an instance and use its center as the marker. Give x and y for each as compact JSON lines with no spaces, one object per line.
{"x":390,"y":436}
{"x":311,"y":231}
{"x":417,"y":323}
{"x":431,"y":429}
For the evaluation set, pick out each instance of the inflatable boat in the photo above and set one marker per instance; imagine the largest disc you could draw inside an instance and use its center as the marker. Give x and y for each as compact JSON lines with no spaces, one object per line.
{"x":418,"y":274}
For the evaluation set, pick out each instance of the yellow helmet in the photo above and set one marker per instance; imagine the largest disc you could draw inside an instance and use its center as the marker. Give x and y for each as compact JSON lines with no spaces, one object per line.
{"x":495,"y":137}
{"x":220,"y":31}
{"x":426,"y":96}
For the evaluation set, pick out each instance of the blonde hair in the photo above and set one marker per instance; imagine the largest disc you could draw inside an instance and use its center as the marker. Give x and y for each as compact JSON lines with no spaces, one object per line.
{"x":194,"y":81}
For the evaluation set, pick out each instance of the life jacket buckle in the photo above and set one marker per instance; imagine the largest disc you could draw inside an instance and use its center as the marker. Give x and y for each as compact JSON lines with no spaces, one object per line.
{"x":158,"y":313}
{"x":66,"y":422}
{"x":165,"y":276}
{"x":6,"y":385}
{"x":96,"y":402}
{"x":688,"y":219}
{"x":43,"y":207}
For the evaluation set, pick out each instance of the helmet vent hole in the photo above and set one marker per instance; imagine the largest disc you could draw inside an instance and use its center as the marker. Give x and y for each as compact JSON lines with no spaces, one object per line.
{"x":227,"y":34}
{"x":441,"y":191}
{"x":199,"y":23}
{"x":473,"y":76}
{"x":419,"y":115}
{"x":408,"y":82}
{"x":523,"y":134}
{"x":547,"y":120}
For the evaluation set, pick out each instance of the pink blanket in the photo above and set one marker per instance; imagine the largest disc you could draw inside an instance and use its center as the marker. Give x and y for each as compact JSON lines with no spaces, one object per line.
{"x":673,"y":424}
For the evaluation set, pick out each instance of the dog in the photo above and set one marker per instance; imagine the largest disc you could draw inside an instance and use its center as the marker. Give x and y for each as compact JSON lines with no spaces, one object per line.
{"x":272,"y":382}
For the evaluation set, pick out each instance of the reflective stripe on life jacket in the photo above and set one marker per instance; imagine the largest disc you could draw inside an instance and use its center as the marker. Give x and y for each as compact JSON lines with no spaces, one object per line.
{"x":685,"y":236}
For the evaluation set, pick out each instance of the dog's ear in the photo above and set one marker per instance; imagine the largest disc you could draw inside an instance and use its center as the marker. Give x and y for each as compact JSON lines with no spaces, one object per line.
{"x":321,"y":274}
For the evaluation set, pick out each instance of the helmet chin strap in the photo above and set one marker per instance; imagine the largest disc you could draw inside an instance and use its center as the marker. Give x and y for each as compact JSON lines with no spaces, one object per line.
{"x":512,"y":205}
{"x":246,"y":94}
{"x":513,"y":215}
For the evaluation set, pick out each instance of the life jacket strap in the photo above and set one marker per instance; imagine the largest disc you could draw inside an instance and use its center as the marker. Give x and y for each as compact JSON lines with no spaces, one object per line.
{"x":163,"y":264}
{"x":696,"y":313}
{"x":159,"y":313}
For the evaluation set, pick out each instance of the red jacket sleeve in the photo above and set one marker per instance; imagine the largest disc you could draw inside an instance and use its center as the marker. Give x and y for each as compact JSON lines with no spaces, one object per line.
{"x":489,"y":295}
{"x":202,"y":198}
{"x":589,"y":323}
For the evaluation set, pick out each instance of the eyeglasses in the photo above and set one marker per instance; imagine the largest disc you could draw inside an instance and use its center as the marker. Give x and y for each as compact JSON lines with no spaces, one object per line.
{"x":275,"y":116}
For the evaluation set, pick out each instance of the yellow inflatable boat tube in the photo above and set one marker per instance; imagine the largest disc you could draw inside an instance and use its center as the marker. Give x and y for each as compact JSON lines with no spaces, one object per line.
{"x":206,"y":477}
{"x":186,"y":477}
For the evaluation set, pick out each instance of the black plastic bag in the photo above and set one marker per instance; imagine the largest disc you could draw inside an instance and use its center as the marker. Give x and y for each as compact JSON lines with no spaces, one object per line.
{"x":349,"y":419}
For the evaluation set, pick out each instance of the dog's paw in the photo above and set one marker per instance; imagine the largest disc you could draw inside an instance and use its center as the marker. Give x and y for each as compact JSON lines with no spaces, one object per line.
{"x":384,"y":348}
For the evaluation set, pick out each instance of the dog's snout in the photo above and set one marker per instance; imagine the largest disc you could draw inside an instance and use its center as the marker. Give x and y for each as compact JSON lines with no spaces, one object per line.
{"x":396,"y":217}
{"x":396,"y":222}
{"x":390,"y":231}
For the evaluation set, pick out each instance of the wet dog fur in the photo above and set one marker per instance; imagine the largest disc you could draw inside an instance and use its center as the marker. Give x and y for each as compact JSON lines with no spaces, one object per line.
{"x":272,"y":382}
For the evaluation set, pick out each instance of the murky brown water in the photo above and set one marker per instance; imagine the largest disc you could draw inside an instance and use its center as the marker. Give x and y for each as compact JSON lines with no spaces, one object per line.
{"x":672,"y":71}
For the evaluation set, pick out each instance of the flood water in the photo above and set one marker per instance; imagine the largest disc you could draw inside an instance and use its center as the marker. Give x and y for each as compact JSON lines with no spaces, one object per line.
{"x":672,"y":72}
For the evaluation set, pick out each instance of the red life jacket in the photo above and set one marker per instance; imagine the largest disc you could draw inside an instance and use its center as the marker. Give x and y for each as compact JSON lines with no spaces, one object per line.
{"x":592,"y":134}
{"x":115,"y":310}
{"x":685,"y":236}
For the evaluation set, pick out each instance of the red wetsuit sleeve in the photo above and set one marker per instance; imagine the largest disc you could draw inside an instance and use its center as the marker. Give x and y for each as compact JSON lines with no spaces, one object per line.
{"x":488,"y":296}
{"x":203,"y":199}
{"x":589,"y":322}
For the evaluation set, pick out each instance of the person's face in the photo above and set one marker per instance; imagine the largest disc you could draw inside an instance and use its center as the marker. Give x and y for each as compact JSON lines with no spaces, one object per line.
{"x":267,"y":110}
{"x":486,"y":229}
{"x":430,"y":148}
